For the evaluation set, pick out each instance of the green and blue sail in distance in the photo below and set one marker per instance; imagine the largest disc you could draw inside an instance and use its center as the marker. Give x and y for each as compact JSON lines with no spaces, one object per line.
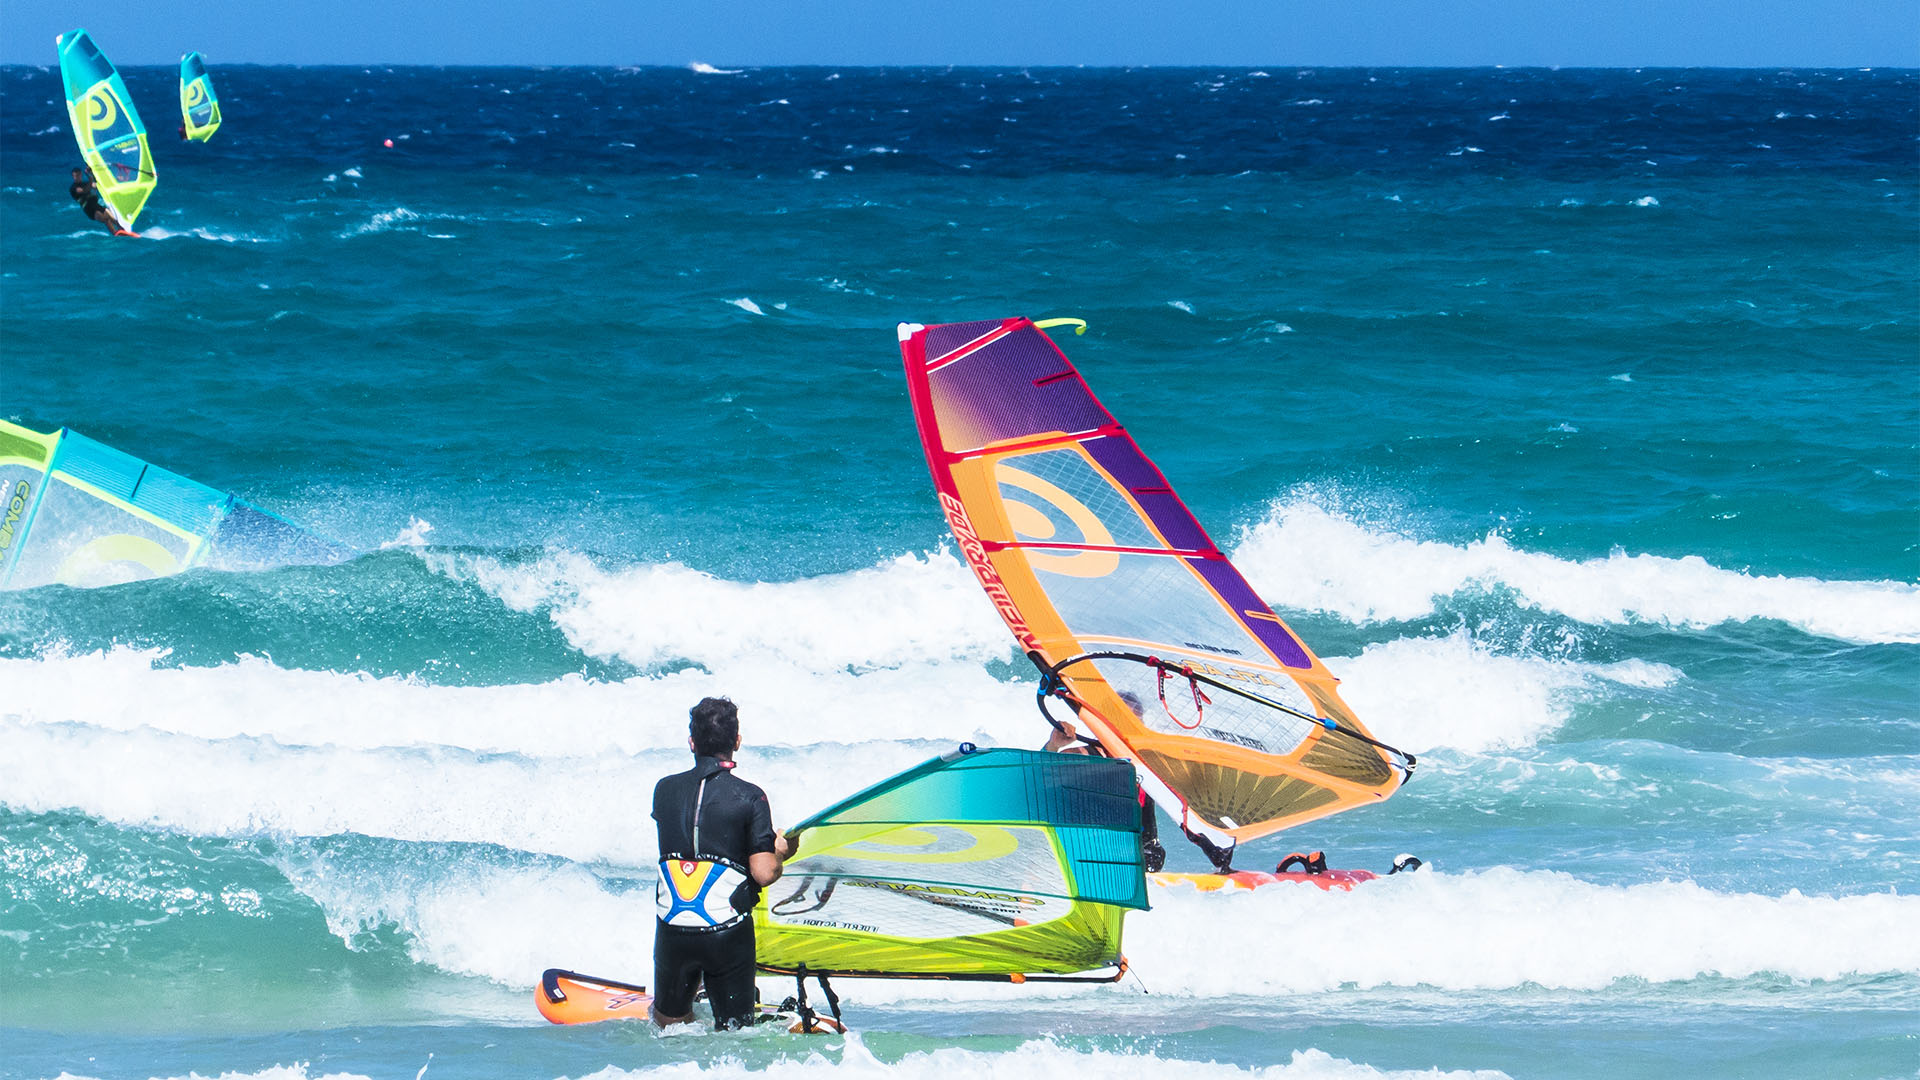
{"x":980,"y":864}
{"x":78,"y":512}
{"x":107,"y":128}
{"x":199,"y":105}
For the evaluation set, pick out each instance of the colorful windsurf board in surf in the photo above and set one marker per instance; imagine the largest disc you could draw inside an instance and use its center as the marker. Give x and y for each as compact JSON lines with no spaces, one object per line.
{"x":1327,"y":880}
{"x":1001,"y":865}
{"x":199,"y":105}
{"x":568,"y":997}
{"x":78,"y":512}
{"x":1133,"y":615}
{"x":107,"y":128}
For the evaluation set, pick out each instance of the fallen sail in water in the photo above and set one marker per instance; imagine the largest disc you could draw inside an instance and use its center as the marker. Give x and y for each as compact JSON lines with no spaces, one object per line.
{"x":78,"y":512}
{"x":1134,"y":617}
{"x":1008,"y":865}
{"x":112,"y":140}
{"x":199,"y":105}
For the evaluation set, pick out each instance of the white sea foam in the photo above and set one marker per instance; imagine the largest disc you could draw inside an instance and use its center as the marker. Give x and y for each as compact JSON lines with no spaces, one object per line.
{"x":746,"y":304}
{"x":1424,"y":693}
{"x":1500,"y":929}
{"x":1308,"y":556}
{"x":699,"y":68}
{"x":255,"y":786}
{"x":296,"y":1071}
{"x":395,"y":220}
{"x":1038,"y":1059}
{"x":782,"y":704}
{"x":1504,"y":929}
{"x":413,"y":536}
{"x":907,"y":609}
{"x":1181,"y":305}
{"x":1646,"y":200}
{"x":1034,"y":1060}
{"x":200,"y":232}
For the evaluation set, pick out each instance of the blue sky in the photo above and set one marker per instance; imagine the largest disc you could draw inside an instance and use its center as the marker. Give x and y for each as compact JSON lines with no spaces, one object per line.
{"x":1598,"y":33}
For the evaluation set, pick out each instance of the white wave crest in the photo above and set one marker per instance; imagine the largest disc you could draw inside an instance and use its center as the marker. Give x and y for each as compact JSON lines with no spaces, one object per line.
{"x":296,"y":1071}
{"x":1500,"y":929}
{"x":1424,"y":693}
{"x":200,"y":232}
{"x":413,"y":536}
{"x":239,"y":787}
{"x":781,"y":704}
{"x":701,"y":68}
{"x":909,"y":609}
{"x":1306,"y":556}
{"x":395,"y":220}
{"x":1037,"y":1059}
{"x":746,"y":304}
{"x":848,"y":1058}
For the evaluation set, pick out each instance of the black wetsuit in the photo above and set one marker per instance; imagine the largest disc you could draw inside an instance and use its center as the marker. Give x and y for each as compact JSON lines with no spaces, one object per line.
{"x":88,"y":197}
{"x":1151,"y":852}
{"x":735,"y":824}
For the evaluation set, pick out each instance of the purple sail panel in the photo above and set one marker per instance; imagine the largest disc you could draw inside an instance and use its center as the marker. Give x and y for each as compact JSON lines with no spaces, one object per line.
{"x":1018,"y":385}
{"x":1240,"y":596}
{"x":947,"y":337}
{"x":1131,"y":469}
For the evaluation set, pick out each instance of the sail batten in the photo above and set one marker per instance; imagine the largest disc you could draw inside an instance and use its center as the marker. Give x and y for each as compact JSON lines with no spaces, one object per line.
{"x":1110,"y":583}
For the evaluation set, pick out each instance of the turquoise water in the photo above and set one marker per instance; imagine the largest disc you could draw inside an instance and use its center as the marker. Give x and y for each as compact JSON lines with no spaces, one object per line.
{"x":1570,"y":416}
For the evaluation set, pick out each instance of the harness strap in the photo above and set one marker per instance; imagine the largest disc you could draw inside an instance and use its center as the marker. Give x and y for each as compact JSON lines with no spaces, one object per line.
{"x":1200,"y":699}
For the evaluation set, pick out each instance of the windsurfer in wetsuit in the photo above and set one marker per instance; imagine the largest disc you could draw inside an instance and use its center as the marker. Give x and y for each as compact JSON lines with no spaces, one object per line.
{"x":1066,"y":740}
{"x":717,"y":851}
{"x":88,"y":197}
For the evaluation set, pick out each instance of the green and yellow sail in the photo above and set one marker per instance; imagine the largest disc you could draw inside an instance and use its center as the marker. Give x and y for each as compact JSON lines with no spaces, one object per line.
{"x":112,"y":140}
{"x":199,"y":105}
{"x":78,"y":512}
{"x":982,"y":864}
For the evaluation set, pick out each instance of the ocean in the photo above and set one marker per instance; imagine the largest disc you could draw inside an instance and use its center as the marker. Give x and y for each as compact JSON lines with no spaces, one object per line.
{"x":1571,"y":416}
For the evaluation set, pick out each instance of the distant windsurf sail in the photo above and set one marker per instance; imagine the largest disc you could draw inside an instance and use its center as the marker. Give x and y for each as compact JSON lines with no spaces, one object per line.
{"x":199,"y":106}
{"x":78,"y":512}
{"x":1111,"y":586}
{"x":982,"y":864}
{"x":112,"y":140}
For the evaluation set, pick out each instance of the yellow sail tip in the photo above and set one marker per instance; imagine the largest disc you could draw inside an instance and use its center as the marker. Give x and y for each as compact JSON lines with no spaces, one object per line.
{"x":1079,"y":325}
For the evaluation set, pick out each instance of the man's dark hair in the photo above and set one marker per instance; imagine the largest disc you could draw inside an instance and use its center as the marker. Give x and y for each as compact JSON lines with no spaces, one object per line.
{"x":715,"y":727}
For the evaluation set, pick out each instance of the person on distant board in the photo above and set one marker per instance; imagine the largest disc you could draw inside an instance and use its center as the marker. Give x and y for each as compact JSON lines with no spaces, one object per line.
{"x":88,"y":197}
{"x":718,"y":849}
{"x":1065,"y":739}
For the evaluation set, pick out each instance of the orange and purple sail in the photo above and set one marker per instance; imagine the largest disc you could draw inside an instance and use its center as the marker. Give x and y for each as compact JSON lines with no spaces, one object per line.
{"x":1135,"y":618}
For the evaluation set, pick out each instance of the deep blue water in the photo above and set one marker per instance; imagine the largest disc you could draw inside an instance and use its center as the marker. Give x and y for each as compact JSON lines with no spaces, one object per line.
{"x":1572,"y":416}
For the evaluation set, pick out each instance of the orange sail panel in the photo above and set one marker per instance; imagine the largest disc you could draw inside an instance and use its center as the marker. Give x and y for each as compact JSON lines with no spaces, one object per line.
{"x":1113,"y":588}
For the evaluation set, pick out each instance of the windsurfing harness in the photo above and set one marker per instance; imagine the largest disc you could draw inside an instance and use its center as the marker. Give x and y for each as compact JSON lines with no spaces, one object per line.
{"x":704,"y":882}
{"x":1134,"y":617}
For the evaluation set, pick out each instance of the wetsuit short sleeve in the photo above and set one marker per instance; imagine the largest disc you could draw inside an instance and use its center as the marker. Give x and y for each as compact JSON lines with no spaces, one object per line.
{"x":760,"y":826}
